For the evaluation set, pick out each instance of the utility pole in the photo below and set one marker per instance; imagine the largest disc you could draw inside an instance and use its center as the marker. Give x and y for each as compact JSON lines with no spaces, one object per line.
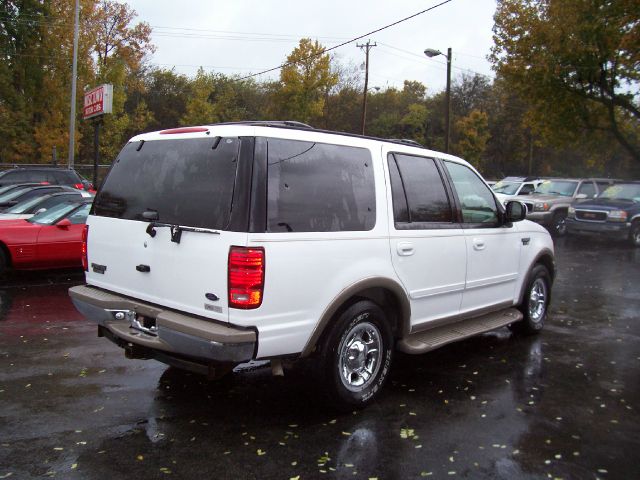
{"x":367,"y":46}
{"x":431,"y":52}
{"x":72,"y":115}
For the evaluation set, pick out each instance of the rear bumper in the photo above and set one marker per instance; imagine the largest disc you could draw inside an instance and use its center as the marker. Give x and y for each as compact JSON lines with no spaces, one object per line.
{"x":173,"y":333}
{"x":615,"y":230}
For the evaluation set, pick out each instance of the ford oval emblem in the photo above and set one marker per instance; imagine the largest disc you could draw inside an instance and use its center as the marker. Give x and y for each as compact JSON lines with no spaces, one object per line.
{"x":212,"y":297}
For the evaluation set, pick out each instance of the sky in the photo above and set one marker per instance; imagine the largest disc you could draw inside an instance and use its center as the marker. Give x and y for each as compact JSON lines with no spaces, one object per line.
{"x":248,"y":36}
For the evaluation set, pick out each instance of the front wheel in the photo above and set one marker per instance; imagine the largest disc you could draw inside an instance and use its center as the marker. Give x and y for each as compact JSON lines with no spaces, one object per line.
{"x":559,"y":224}
{"x":535,"y":301}
{"x":356,"y":355}
{"x":634,"y":234}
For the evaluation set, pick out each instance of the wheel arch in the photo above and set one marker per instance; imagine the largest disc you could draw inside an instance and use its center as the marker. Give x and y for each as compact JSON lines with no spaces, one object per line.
{"x":545,"y":258}
{"x":386,"y":293}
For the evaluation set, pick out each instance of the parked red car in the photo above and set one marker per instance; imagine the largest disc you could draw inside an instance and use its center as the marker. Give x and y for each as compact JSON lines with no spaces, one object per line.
{"x":52,"y":239}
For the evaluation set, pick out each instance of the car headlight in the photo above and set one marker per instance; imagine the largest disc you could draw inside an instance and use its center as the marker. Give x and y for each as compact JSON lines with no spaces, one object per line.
{"x":571,"y":212}
{"x":617,"y":216}
{"x":541,"y":207}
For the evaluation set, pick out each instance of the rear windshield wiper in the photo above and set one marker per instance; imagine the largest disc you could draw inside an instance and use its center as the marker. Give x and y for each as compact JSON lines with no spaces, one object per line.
{"x":176,"y":230}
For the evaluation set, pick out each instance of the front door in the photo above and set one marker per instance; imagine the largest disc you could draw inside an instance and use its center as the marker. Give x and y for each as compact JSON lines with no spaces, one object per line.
{"x":493,"y":249}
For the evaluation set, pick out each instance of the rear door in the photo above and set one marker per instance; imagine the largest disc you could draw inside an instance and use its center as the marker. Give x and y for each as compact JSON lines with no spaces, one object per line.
{"x":161,"y":226}
{"x":427,"y":242}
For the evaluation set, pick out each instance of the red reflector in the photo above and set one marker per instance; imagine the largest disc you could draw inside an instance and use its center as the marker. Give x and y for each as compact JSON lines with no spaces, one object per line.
{"x":174,"y":131}
{"x":85,"y":258}
{"x":79,"y":186}
{"x":246,"y":277}
{"x":44,"y":183}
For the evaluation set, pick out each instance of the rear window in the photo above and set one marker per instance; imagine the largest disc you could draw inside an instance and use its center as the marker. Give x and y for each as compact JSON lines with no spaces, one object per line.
{"x":316,"y":187}
{"x":187,"y":182}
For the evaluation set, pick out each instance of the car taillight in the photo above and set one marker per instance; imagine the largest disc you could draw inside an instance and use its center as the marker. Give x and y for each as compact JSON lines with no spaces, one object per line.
{"x":85,"y":258}
{"x":79,"y":186}
{"x":246,"y":277}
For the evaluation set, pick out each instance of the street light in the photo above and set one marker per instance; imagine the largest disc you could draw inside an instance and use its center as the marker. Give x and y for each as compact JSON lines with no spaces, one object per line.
{"x":431,"y":52}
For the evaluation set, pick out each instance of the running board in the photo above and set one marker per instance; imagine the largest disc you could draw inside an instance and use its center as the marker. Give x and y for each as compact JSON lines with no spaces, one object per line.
{"x":421,"y":342}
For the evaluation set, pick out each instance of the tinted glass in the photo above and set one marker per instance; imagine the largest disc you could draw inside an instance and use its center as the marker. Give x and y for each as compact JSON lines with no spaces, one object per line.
{"x":315,"y":187}
{"x":526,"y":189}
{"x":400,"y":207}
{"x":187,"y":182}
{"x":38,"y":203}
{"x":588,"y":189}
{"x":12,"y":194}
{"x":623,"y":191}
{"x":477,"y":202}
{"x":64,"y":177}
{"x":426,"y":196}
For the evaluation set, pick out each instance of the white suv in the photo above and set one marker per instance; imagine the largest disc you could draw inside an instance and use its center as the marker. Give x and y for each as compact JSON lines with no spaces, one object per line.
{"x":215,"y":245}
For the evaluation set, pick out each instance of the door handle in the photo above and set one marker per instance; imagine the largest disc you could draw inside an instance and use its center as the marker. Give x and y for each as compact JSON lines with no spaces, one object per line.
{"x":405,"y":249}
{"x":478,"y":244}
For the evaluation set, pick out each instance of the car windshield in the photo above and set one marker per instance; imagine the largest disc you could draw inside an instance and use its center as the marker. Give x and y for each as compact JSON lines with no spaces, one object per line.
{"x":24,"y":206}
{"x":557,"y":187}
{"x":54,"y":213}
{"x":8,"y":196}
{"x":623,"y":191}
{"x":506,"y":188}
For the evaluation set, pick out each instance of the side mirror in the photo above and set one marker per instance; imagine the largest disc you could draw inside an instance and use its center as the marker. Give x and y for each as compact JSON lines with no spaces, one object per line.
{"x":515,"y":211}
{"x":581,"y":196}
{"x":64,"y":223}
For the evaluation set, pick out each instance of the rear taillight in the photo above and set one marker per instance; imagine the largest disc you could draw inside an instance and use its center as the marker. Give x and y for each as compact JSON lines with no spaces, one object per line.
{"x":79,"y":186}
{"x":85,"y":258}
{"x":246,"y":277}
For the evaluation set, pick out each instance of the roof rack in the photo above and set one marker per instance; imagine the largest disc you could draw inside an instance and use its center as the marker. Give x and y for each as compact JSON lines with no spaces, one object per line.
{"x":270,"y":123}
{"x":303,"y":126}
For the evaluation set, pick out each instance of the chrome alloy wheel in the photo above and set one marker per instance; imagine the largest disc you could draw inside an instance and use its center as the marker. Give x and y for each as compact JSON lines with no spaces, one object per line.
{"x":537,"y":300}
{"x":359,"y":356}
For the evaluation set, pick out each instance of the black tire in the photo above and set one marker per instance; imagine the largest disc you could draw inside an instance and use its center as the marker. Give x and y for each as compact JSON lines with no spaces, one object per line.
{"x":634,"y":234}
{"x":3,"y":262}
{"x":353,"y":376}
{"x":559,"y":224}
{"x":533,"y":307}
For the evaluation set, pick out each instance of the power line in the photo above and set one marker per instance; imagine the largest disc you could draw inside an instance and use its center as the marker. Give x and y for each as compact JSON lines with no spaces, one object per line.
{"x":349,"y":41}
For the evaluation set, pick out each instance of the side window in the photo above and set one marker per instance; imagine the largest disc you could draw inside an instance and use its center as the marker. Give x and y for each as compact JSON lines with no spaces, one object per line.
{"x":476,"y":200}
{"x":602,"y":186}
{"x":526,"y":189}
{"x":588,"y":189}
{"x":315,"y":187}
{"x":17,"y":177}
{"x":418,"y":192}
{"x":80,"y":215}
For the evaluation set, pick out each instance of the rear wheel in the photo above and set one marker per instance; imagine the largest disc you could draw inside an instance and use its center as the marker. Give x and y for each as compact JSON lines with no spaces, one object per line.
{"x":559,"y":224}
{"x":634,"y":234}
{"x":356,"y":355}
{"x":535,"y":301}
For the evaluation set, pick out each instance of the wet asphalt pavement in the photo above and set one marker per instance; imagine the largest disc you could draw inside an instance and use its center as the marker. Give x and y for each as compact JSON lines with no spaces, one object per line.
{"x":563,"y":404}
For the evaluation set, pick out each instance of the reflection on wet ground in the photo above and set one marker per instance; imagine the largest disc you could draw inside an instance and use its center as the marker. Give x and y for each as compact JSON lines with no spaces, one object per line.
{"x":560,"y":405}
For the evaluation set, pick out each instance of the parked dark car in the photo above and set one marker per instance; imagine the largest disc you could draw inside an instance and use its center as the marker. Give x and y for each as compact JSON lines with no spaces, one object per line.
{"x":45,"y":176}
{"x":615,"y":213}
{"x":18,"y":195}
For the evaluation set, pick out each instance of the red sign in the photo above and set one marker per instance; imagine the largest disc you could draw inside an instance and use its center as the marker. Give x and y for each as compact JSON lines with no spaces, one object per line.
{"x":98,"y":101}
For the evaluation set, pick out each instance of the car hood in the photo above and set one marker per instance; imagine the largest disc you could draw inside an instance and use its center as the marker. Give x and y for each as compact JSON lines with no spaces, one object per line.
{"x":605,"y":204}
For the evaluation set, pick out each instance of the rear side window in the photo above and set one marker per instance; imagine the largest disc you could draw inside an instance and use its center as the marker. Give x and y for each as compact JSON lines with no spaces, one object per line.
{"x":64,"y":177}
{"x":316,"y":187}
{"x":418,"y":192}
{"x":187,"y":182}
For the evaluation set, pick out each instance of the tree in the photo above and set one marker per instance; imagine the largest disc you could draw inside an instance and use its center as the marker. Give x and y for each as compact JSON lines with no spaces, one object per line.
{"x":473,"y":131}
{"x":200,"y":109}
{"x":577,"y":63}
{"x":304,"y":82}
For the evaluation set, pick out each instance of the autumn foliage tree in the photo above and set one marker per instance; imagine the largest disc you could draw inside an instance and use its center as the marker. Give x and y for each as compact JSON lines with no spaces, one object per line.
{"x":577,"y":62}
